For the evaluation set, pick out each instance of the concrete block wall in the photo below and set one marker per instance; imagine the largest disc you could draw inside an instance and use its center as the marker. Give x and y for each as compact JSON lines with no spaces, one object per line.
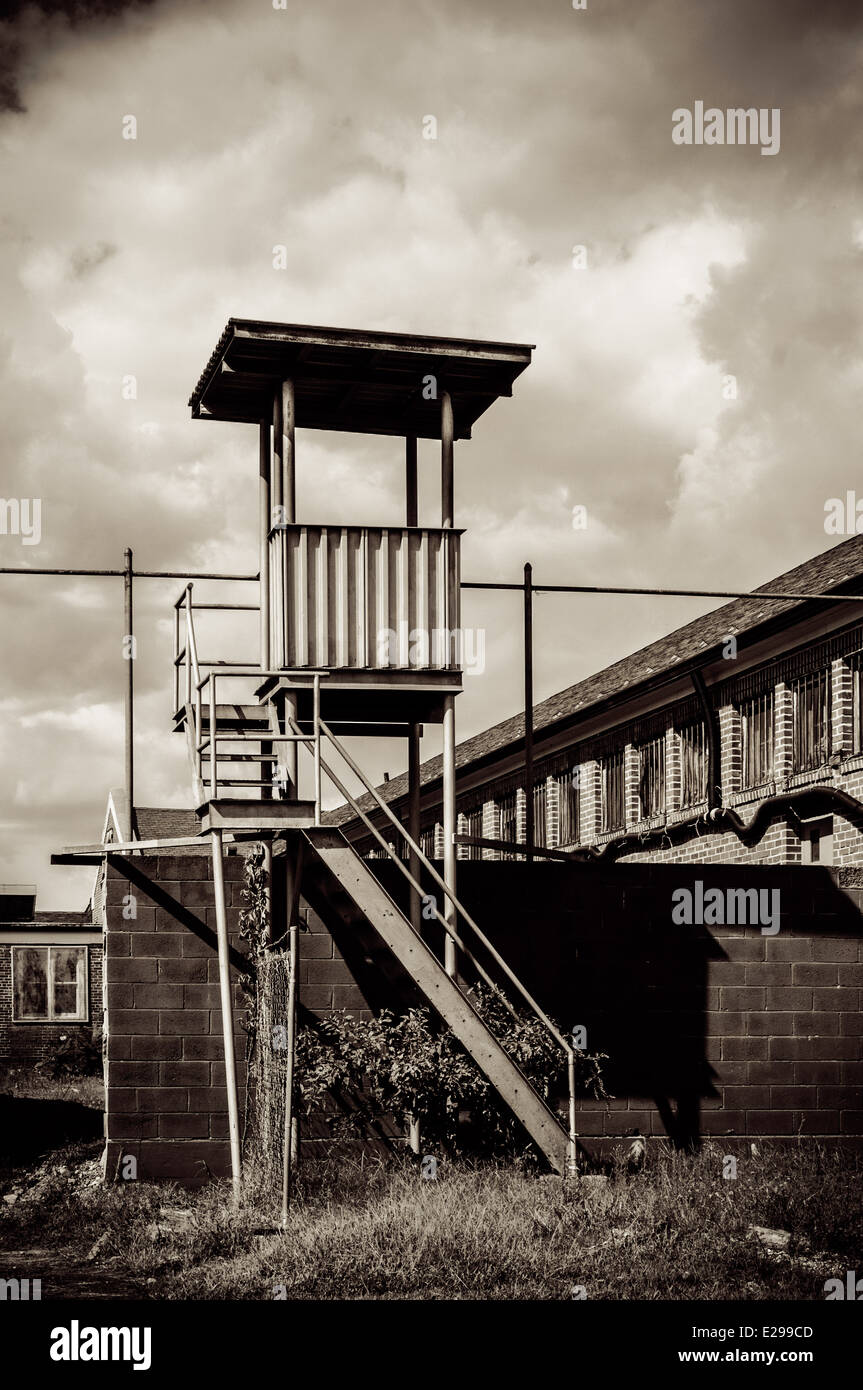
{"x":719,"y":1031}
{"x":166,"y":1103}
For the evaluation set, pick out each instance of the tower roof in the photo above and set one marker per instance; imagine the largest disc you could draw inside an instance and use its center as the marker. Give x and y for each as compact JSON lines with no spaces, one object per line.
{"x":353,"y":379}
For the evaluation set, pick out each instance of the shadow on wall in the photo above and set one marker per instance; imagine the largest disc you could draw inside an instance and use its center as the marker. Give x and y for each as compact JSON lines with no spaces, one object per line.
{"x":598,"y":946}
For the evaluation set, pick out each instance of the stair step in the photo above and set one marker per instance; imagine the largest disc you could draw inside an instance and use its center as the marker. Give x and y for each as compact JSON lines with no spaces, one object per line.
{"x":234,"y":813}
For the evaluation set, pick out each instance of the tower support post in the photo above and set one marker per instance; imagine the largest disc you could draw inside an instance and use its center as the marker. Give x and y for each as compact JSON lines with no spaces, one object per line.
{"x":227,"y":1014}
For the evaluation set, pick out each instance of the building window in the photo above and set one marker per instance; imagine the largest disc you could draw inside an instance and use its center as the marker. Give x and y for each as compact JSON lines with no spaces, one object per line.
{"x":816,"y":841}
{"x":651,"y":777}
{"x":811,"y":706}
{"x":540,"y":808}
{"x":49,"y":984}
{"x":756,"y":719}
{"x":473,"y":828}
{"x":693,"y":763}
{"x":856,"y":664}
{"x":613,"y":791}
{"x":567,"y":802}
{"x":506,"y":806}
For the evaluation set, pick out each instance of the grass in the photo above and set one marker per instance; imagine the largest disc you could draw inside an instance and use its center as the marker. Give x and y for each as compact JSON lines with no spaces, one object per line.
{"x":675,"y":1230}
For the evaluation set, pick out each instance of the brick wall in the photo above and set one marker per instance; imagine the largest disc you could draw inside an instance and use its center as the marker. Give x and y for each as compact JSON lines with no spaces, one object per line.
{"x":32,"y":1042}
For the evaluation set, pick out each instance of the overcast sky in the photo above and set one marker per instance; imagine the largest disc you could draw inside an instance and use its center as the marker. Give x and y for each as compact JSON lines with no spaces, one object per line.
{"x":259,"y":127}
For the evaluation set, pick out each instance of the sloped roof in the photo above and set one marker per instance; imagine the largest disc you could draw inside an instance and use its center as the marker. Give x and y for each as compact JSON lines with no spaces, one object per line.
{"x":363,"y":381}
{"x":165,"y":822}
{"x":689,"y":644}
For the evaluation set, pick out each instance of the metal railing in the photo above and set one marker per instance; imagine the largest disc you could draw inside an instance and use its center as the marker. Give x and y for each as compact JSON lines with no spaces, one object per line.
{"x":322,"y":729}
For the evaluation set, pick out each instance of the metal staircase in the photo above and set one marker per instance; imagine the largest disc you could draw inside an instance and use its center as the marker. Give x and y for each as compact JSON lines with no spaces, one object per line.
{"x":337,"y":881}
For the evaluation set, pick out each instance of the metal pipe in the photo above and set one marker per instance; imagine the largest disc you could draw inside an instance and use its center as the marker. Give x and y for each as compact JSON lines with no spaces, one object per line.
{"x":227,"y":1014}
{"x":572,"y":1165}
{"x":264,"y":522}
{"x":667,"y":593}
{"x":449,"y":827}
{"x":316,"y":710}
{"x":414,"y":820}
{"x":289,"y":478}
{"x":129,"y":642}
{"x":213,"y":741}
{"x":446,"y":460}
{"x":714,"y":753}
{"x":288,"y":1137}
{"x":529,"y":829}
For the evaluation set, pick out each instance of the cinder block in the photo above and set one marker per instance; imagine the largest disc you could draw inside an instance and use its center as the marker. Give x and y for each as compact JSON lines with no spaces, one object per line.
{"x":742,"y":997}
{"x":184,"y":1074}
{"x":769,"y":1025}
{"x":834,"y":949}
{"x":179,"y":1022}
{"x":815,"y":974}
{"x":156,"y":1049}
{"x":134,"y":969}
{"x":184,"y":1126}
{"x":158,"y":996}
{"x":821,"y":1025}
{"x":134,"y":1021}
{"x":159,"y":945}
{"x":836,"y":1000}
{"x":132,"y":1074}
{"x":204,"y":1048}
{"x":154,"y":1100}
{"x":183,"y":971}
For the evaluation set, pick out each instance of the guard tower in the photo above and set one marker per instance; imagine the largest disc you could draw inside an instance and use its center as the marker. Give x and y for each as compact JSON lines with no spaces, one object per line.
{"x":375,"y":610}
{"x":360,"y":634}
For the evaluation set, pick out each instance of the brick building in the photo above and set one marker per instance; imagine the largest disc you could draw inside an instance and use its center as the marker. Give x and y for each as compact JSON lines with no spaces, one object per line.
{"x":736,"y":739}
{"x":50,"y":977}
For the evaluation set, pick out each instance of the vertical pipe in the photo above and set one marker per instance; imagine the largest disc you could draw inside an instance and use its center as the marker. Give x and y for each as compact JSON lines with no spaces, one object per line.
{"x":129,"y":645}
{"x":449,"y":850}
{"x":572,"y":1164}
{"x":288,"y":1138}
{"x":446,"y":460}
{"x":317,"y":748}
{"x":528,"y":708}
{"x":227,"y":1013}
{"x":289,"y":485}
{"x":276,"y":474}
{"x":188,"y":644}
{"x":414,"y":820}
{"x":213,"y":712}
{"x":176,"y":658}
{"x":412,"y":519}
{"x":264,"y":523}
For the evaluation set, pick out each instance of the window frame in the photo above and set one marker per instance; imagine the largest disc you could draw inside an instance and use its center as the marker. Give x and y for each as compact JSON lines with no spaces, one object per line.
{"x":82,"y":1015}
{"x":746,"y":709}
{"x":818,"y":756}
{"x":615,"y":761}
{"x":651,"y":763}
{"x":693,"y":746}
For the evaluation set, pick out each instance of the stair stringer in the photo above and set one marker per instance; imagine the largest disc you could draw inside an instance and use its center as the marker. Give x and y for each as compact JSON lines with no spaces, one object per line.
{"x":444,"y":995}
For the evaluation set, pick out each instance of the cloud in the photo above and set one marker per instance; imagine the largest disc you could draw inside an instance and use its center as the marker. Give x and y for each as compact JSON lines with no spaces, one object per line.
{"x":122,"y":259}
